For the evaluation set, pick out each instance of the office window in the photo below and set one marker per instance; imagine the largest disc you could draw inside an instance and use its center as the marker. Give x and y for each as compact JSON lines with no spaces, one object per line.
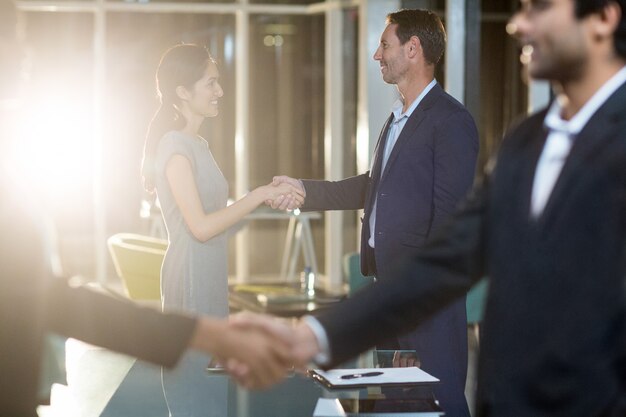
{"x":169,"y":1}
{"x":290,"y":2}
{"x":135,"y":43}
{"x":286,"y":118}
{"x":503,"y":93}
{"x":58,"y":142}
{"x":58,"y":1}
{"x":350,"y":55}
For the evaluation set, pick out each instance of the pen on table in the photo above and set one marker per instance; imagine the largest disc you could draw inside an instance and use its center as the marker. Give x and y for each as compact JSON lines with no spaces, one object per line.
{"x":366,"y":374}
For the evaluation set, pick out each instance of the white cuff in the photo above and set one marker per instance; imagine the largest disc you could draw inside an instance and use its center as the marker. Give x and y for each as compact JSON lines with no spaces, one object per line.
{"x":303,"y":188}
{"x":323,"y":357}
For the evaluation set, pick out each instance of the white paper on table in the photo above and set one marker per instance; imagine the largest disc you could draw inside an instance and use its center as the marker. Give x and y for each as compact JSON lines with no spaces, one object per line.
{"x":390,"y":376}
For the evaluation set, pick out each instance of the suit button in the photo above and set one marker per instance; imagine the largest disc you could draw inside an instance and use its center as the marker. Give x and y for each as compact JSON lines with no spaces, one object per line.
{"x":383,"y":194}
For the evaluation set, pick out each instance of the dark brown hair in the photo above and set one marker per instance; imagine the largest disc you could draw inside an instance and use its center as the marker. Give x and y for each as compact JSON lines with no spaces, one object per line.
{"x":424,"y":24}
{"x":586,"y":7}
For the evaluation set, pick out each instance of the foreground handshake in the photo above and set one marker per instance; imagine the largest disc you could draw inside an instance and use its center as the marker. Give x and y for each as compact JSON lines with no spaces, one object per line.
{"x":256,"y":350}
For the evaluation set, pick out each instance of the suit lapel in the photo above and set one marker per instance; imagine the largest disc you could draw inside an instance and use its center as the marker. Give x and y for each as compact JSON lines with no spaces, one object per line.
{"x":375,"y":171}
{"x":598,"y":133}
{"x":411,"y":125}
{"x":380,"y":149}
{"x":526,"y":179}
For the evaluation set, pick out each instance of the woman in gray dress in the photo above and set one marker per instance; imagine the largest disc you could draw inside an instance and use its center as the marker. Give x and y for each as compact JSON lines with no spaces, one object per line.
{"x":178,"y":164}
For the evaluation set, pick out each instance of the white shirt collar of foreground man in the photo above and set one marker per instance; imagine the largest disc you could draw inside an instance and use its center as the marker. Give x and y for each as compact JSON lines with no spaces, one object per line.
{"x":560,"y":140}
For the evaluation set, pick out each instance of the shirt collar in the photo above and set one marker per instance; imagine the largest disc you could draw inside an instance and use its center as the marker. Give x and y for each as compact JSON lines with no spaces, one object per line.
{"x":554,"y":121}
{"x":398,"y":104}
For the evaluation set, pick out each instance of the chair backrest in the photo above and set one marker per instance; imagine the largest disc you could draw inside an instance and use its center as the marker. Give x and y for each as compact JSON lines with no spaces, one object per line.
{"x":475,"y":301}
{"x":138,"y":261}
{"x":352,"y":270}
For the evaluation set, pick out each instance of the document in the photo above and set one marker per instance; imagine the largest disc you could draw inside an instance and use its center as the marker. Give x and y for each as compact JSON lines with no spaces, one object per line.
{"x":363,"y":377}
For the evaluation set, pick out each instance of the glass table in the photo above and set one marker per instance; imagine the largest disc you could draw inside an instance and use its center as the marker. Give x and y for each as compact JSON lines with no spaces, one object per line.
{"x":107,"y":384}
{"x":140,"y":395}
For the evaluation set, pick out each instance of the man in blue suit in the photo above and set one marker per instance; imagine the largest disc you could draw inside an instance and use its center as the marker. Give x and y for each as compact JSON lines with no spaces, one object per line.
{"x":423,"y":165}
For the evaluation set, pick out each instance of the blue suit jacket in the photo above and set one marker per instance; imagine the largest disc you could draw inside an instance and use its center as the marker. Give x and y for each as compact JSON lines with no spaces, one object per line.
{"x":429,"y":171}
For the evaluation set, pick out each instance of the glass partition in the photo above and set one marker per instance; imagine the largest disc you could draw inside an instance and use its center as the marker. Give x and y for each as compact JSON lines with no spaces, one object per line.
{"x":58,"y":122}
{"x":286,"y":110}
{"x":135,"y":43}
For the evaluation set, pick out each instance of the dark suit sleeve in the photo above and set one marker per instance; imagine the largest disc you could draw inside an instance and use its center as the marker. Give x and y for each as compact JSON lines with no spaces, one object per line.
{"x":348,"y":194}
{"x":452,"y":261}
{"x":455,"y":154}
{"x":118,"y":324}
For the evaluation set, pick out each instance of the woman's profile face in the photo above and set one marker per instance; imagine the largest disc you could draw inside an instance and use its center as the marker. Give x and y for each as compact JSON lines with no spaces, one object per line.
{"x":206,"y":93}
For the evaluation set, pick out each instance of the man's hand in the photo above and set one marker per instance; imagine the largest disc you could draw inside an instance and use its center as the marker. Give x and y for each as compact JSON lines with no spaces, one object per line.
{"x":405,"y":359}
{"x":286,"y":202}
{"x":303,"y":345}
{"x":256,"y":356}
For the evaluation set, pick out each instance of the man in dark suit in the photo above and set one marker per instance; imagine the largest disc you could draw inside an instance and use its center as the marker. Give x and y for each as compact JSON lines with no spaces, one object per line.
{"x":548,"y":225}
{"x":423,"y":165}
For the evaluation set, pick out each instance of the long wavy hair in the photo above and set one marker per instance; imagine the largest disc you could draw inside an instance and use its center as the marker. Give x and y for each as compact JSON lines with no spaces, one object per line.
{"x":181,"y":65}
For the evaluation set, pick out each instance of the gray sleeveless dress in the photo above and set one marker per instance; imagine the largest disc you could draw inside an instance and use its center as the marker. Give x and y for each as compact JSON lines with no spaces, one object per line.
{"x":193,"y":276}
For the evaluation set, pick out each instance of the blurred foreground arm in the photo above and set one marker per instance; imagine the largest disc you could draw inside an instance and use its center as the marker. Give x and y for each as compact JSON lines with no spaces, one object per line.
{"x":117,"y":324}
{"x":161,"y":338}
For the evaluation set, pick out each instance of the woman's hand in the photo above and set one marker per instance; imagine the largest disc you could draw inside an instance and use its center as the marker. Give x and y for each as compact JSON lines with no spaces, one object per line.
{"x":280,"y":194}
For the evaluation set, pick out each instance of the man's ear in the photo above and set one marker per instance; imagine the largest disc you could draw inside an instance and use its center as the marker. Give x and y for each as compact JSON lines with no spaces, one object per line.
{"x":608,"y":20}
{"x":182,"y":93}
{"x":414,"y":46}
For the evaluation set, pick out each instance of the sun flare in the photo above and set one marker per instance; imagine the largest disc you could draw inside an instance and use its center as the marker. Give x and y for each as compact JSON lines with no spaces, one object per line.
{"x":53,"y":150}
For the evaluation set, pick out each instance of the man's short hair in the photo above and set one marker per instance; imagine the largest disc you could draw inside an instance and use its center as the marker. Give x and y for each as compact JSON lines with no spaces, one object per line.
{"x":586,"y":7}
{"x":424,"y":24}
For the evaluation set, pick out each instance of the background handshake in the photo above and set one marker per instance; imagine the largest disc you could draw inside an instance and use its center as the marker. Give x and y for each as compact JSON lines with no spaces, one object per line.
{"x":285,"y":193}
{"x":256,"y":350}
